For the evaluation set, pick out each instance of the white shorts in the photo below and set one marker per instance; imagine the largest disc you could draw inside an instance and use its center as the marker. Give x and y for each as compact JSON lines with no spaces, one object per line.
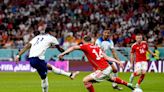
{"x":140,"y":66}
{"x":99,"y":75}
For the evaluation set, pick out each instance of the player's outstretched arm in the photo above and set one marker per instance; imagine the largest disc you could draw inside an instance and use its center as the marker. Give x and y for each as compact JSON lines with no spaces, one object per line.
{"x":60,"y":56}
{"x":112,"y":60}
{"x":28,"y":46}
{"x":59,"y":48}
{"x":114,"y":54}
{"x":131,"y":59}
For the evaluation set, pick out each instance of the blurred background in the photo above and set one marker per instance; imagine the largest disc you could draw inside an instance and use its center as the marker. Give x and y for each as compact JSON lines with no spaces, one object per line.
{"x":72,"y":19}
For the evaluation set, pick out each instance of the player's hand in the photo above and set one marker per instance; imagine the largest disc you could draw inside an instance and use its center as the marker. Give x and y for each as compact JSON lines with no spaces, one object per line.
{"x":121,"y":65}
{"x":155,"y":55}
{"x":131,"y":66}
{"x":16,"y":59}
{"x":60,"y":56}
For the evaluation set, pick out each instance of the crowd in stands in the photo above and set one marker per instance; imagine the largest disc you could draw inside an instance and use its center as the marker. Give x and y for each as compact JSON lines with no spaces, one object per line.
{"x":72,"y":19}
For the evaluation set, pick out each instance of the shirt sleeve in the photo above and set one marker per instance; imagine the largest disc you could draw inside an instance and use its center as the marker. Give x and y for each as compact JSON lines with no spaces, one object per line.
{"x":33,"y":40}
{"x":97,"y":43}
{"x":54,"y":41}
{"x":112,"y":45}
{"x":83,"y":47}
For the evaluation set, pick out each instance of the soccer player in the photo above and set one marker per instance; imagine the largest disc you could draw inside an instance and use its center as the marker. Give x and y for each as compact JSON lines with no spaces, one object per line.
{"x":99,"y":61}
{"x":138,"y":50}
{"x":107,"y":44}
{"x":38,"y":46}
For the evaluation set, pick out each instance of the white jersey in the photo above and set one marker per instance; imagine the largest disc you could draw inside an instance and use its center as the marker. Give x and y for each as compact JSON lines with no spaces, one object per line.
{"x":104,"y":44}
{"x":40,"y":44}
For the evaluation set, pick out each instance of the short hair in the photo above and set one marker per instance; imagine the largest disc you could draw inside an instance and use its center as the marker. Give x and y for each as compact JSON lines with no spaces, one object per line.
{"x":48,"y":30}
{"x":87,"y":38}
{"x":36,"y":33}
{"x":138,"y":34}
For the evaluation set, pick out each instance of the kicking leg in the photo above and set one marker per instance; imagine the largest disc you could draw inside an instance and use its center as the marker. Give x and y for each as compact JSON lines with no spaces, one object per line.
{"x":120,"y":81}
{"x":115,"y":74}
{"x":62,"y":72}
{"x":88,"y":84}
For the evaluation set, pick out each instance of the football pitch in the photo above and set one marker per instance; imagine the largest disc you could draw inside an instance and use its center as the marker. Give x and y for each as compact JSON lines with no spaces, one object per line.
{"x":30,"y":82}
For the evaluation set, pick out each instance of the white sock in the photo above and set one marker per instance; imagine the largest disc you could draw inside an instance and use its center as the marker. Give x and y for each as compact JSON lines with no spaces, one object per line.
{"x":113,"y":83}
{"x":59,"y":71}
{"x":131,"y":78}
{"x":44,"y":85}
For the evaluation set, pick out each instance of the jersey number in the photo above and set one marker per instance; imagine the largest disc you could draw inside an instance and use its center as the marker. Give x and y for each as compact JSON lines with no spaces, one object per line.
{"x":141,"y":51}
{"x":38,"y":40}
{"x":98,"y":54}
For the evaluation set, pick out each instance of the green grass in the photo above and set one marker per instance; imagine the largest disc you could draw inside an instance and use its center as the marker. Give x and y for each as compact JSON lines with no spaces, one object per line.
{"x":30,"y":82}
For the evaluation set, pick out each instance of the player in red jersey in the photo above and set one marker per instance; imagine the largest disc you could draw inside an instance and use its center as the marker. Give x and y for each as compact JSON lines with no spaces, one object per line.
{"x":138,"y":50}
{"x":99,"y":61}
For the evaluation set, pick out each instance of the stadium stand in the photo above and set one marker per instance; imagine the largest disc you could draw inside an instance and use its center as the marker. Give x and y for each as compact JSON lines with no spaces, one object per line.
{"x":72,"y":19}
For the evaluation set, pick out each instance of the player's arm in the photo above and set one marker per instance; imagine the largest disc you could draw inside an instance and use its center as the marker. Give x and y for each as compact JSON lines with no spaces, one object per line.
{"x":112,"y":60}
{"x":151,"y":52}
{"x":59,"y":48}
{"x":68,"y":51}
{"x":114,"y":54}
{"x":114,"y":51}
{"x":131,"y":59}
{"x":27,"y":46}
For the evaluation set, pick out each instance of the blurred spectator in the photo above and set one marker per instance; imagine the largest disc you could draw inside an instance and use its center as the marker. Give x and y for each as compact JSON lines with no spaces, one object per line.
{"x":20,"y":18}
{"x":148,"y":56}
{"x":157,"y":53}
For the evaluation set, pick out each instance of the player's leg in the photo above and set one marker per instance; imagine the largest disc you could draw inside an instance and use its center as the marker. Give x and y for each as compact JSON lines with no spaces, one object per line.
{"x":143,"y":72}
{"x":88,"y":83}
{"x":62,"y":72}
{"x":41,"y":67}
{"x":114,"y":79}
{"x":137,"y":71}
{"x":43,"y":74}
{"x":120,"y":81}
{"x":115,"y":74}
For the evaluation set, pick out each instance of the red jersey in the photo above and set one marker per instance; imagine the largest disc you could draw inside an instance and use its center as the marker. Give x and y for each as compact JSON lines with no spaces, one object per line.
{"x":140,"y":51}
{"x":94,"y":55}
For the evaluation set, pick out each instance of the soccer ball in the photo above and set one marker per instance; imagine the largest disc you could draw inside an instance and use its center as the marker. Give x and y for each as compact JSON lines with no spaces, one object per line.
{"x":137,"y":90}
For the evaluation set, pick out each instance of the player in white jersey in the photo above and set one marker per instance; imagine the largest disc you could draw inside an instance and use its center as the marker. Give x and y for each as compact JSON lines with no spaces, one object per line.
{"x":38,"y":46}
{"x":107,"y":44}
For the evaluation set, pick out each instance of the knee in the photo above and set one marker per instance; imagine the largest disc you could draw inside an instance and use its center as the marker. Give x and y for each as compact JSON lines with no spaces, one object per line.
{"x":138,"y":72}
{"x":112,"y":79}
{"x":143,"y":72}
{"x":44,"y":82}
{"x":114,"y":70}
{"x":43,"y":77}
{"x":85,"y":80}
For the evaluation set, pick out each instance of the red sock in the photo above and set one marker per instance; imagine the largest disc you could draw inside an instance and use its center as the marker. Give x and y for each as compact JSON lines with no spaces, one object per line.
{"x":89,"y":86}
{"x":135,"y":74}
{"x":141,"y":79}
{"x":120,"y":81}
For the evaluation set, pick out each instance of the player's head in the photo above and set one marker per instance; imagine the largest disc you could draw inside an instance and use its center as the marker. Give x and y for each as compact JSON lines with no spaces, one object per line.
{"x":49,"y":31}
{"x":106,"y":33}
{"x":87,"y":39}
{"x":138,"y":37}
